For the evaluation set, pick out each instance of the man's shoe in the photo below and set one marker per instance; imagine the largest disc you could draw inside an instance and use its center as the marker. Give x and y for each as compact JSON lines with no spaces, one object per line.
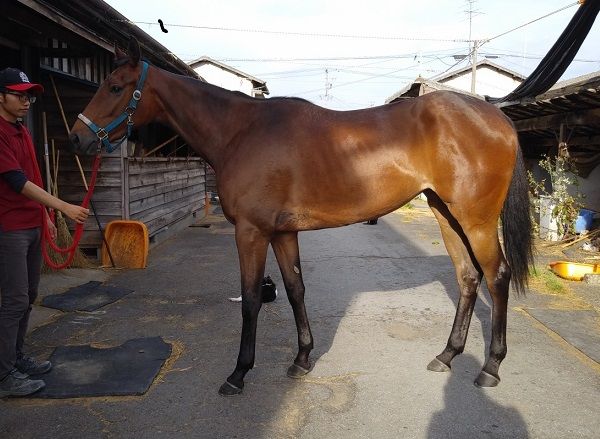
{"x":19,"y":384}
{"x":31,"y":367}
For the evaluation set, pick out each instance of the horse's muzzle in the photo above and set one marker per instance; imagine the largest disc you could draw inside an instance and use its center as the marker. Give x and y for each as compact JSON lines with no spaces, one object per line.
{"x":82,"y":145}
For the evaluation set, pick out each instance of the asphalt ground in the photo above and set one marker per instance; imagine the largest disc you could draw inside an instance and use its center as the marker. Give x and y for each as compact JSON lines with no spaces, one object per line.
{"x":381,"y":302}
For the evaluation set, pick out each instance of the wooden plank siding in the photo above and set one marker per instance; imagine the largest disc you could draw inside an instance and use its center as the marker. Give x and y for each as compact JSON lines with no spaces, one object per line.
{"x":157,"y":191}
{"x":107,"y":193}
{"x":163,"y":191}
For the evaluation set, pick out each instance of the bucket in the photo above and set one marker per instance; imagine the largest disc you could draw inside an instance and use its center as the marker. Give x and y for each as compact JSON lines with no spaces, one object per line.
{"x":584,"y":221}
{"x":128,"y":242}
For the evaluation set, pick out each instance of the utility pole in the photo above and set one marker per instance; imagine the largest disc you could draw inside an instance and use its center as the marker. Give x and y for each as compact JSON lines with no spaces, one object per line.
{"x":474,"y":65}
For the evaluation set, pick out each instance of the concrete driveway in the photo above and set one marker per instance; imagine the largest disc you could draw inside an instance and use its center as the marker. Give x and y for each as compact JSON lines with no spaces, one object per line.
{"x":381,"y":302}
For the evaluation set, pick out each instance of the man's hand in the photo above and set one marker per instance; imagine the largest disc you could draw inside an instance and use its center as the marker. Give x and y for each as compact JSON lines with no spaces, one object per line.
{"x":76,"y":213}
{"x":51,"y":229}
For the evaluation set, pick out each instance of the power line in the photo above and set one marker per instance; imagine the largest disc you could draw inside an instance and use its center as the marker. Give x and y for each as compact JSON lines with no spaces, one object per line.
{"x":301,"y":34}
{"x":532,"y":21}
{"x":361,"y":80}
{"x":431,"y":54}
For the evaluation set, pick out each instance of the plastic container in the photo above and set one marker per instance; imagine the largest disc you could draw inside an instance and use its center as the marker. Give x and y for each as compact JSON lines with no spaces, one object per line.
{"x":573,"y":270}
{"x":584,"y":221}
{"x":128,"y":242}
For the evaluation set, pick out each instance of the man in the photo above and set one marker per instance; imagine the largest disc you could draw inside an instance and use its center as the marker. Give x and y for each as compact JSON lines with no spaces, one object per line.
{"x":21,"y":218}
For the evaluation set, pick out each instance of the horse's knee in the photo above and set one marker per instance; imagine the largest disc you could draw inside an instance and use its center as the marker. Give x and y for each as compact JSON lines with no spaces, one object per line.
{"x":251,"y":304}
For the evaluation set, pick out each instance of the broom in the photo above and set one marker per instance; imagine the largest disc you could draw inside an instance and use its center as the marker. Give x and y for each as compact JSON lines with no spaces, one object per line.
{"x":63,"y":235}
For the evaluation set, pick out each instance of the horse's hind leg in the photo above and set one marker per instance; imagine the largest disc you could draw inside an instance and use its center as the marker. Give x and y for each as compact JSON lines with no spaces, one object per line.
{"x":285,"y":246}
{"x":486,"y":248}
{"x":468,"y":275}
{"x":252,"y":247}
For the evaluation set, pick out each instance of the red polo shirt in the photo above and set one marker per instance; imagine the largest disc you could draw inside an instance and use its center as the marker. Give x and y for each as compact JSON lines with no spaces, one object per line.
{"x":17,"y":212}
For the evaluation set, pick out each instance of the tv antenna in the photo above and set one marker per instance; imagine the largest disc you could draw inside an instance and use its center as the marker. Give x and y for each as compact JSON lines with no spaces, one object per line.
{"x":328,"y":86}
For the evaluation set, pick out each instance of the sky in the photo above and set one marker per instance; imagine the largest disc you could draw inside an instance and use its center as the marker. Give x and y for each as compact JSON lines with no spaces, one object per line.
{"x":344,"y":54}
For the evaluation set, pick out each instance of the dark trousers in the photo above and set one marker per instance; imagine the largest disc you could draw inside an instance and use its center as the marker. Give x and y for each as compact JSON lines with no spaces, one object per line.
{"x":20,"y":266}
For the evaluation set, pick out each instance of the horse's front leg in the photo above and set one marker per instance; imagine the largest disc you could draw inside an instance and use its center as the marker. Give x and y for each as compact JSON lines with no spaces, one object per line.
{"x":252,"y":249}
{"x":285,"y":246}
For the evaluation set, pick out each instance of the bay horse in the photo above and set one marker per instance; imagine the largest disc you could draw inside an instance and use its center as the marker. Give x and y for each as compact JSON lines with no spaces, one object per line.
{"x":285,"y":165}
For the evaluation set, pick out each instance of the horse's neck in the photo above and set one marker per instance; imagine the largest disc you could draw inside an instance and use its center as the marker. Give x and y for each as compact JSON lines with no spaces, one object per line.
{"x":205,"y":116}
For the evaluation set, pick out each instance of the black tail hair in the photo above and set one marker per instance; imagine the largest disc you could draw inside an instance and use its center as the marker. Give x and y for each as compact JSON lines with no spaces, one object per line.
{"x":516,"y":227}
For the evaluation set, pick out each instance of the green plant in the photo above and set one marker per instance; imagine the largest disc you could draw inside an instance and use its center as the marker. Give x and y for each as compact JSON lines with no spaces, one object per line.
{"x":547,"y":281}
{"x":566,"y":203}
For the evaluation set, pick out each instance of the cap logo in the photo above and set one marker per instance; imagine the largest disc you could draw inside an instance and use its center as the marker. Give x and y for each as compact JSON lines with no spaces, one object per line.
{"x":23,"y":77}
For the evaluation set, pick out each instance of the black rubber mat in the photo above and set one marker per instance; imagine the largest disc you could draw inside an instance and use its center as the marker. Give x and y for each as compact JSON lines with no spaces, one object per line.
{"x":86,"y":297}
{"x":84,"y":371}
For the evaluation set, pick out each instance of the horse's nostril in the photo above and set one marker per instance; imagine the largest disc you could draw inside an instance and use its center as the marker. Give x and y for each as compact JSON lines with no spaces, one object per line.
{"x":74,"y":138}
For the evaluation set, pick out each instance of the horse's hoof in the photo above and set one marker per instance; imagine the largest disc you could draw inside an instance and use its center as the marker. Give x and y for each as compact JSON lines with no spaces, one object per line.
{"x":228,"y":389}
{"x":437,"y":366}
{"x":486,"y":380}
{"x":295,"y":371}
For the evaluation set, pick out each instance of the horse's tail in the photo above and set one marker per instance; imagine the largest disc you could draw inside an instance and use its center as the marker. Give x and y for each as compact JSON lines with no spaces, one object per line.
{"x":516,"y":226}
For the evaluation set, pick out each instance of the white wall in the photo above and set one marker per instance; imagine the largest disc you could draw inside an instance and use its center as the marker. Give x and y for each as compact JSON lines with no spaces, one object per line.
{"x":488,"y":82}
{"x":590,"y":186}
{"x":217,"y":76}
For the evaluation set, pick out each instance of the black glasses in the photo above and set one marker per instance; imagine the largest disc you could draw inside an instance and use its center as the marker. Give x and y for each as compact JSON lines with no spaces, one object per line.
{"x":22,"y":97}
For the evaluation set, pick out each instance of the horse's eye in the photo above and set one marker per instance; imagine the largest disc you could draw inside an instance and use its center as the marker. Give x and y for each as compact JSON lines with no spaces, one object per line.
{"x":116,"y":89}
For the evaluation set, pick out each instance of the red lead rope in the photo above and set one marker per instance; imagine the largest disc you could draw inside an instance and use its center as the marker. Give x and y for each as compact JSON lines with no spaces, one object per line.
{"x":47,"y":239}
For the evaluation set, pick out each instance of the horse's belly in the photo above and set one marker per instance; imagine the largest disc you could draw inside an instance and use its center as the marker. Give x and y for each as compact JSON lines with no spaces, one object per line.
{"x":337,"y":213}
{"x":311,"y":220}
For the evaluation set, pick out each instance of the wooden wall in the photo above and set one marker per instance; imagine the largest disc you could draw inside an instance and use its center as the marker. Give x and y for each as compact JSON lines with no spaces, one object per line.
{"x":163,"y":191}
{"x":108,"y":194}
{"x":157,"y":191}
{"x":211,"y":180}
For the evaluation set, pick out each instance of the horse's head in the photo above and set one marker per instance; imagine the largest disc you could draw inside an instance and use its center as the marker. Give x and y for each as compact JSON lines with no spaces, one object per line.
{"x":116,"y":106}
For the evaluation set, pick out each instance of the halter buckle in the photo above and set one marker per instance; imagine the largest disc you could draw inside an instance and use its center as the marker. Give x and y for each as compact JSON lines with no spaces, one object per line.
{"x":102,"y":134}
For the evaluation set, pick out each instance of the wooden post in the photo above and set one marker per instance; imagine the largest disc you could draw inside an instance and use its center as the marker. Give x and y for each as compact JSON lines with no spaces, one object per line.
{"x":46,"y":156}
{"x":161,"y":145}
{"x":206,"y":203}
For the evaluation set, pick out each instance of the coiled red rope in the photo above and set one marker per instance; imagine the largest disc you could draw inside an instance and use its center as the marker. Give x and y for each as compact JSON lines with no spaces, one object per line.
{"x":47,"y":239}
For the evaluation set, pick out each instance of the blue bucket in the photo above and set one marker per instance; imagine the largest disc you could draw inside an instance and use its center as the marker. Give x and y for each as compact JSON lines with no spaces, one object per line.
{"x":584,"y":220}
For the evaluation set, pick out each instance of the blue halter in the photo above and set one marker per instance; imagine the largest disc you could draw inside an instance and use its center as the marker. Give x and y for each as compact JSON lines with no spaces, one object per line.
{"x":102,"y":133}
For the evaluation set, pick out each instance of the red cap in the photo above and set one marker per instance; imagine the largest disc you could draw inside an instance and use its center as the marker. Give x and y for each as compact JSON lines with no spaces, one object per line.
{"x":15,"y":80}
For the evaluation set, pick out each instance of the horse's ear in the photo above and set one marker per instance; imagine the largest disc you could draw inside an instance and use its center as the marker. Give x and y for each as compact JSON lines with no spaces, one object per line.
{"x":133,"y":50}
{"x":119,"y":54}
